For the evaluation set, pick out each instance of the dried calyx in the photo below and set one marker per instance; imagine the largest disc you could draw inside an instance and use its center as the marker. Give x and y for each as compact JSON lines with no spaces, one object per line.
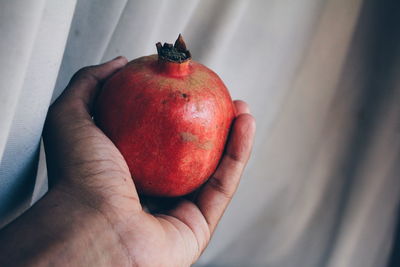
{"x":175,"y":53}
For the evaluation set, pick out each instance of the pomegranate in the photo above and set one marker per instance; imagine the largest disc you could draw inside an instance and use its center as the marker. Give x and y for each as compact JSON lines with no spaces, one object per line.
{"x":170,"y":117}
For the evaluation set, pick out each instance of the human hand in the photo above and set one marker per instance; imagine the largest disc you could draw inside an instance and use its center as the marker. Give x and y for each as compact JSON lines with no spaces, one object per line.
{"x":88,"y":173}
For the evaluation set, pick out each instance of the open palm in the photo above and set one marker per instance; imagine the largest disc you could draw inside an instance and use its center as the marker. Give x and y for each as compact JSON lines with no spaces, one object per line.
{"x":85,"y":166}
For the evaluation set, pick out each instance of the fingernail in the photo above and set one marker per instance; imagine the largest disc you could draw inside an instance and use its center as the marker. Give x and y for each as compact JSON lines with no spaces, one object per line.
{"x":119,"y":57}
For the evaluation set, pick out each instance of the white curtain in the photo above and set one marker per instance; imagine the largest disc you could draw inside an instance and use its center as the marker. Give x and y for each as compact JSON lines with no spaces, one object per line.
{"x":322,"y":78}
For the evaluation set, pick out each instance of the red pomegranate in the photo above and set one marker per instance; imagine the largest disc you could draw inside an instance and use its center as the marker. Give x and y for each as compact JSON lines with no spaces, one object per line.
{"x":170,"y":117}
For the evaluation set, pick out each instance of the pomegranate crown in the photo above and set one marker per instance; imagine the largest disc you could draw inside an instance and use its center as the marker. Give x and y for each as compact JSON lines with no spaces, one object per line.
{"x":177,"y":53}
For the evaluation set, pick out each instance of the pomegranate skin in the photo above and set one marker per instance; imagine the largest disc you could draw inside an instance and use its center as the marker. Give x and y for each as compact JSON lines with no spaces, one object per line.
{"x":169,"y":120}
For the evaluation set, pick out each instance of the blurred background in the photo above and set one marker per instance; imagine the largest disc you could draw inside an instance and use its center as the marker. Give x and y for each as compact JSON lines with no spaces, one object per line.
{"x":322,"y":78}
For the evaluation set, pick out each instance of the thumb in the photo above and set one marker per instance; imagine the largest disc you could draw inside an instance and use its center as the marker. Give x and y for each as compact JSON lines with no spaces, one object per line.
{"x":69,"y":121}
{"x":78,"y":97}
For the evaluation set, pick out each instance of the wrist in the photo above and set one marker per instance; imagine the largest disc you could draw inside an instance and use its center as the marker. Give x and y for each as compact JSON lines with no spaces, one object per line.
{"x":59,"y":230}
{"x":92,"y":232}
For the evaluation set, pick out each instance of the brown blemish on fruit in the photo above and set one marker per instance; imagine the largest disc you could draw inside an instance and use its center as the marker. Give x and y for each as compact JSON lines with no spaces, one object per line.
{"x":189,"y":137}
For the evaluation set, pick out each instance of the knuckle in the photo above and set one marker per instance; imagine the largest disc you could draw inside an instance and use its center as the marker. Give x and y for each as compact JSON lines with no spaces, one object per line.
{"x":236,"y":158}
{"x":220,"y":187}
{"x":85,"y":73}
